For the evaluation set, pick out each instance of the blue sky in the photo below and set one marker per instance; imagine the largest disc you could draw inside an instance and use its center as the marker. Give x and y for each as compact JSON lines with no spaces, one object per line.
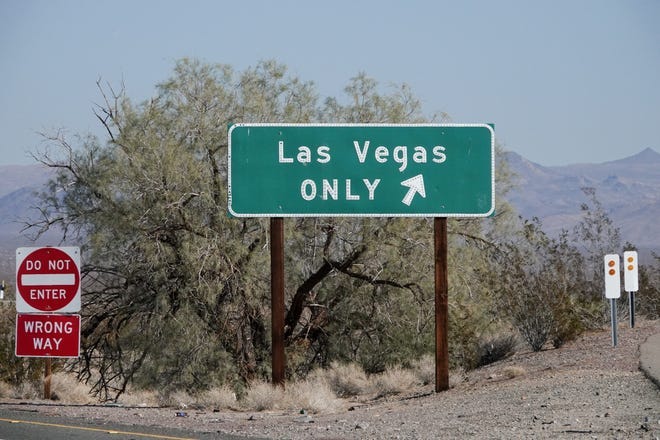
{"x":564,"y":81}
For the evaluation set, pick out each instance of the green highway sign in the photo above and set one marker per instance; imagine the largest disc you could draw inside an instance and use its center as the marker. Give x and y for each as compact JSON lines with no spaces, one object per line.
{"x":383,"y":170}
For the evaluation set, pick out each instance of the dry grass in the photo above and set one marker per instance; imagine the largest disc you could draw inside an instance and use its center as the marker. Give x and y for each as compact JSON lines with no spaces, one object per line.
{"x":424,"y":369}
{"x":66,"y":388}
{"x":345,"y":380}
{"x":218,"y":398}
{"x":513,"y":371}
{"x":176,"y":399}
{"x":63,"y":388}
{"x":262,"y":396}
{"x":25,"y":390}
{"x":457,"y":377}
{"x":139,"y":398}
{"x":323,"y":391}
{"x":313,"y":395}
{"x":6,"y":390}
{"x":395,"y":380}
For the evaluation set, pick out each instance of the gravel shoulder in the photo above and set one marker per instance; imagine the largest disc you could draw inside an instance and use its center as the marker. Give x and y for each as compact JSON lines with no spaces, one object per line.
{"x":586,"y":389}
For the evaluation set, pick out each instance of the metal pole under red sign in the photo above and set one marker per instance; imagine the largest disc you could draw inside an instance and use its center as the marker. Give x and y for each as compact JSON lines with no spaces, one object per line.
{"x":48,"y":375}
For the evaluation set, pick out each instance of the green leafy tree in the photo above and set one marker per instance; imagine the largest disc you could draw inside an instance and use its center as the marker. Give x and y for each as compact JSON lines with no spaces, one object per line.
{"x":176,"y":293}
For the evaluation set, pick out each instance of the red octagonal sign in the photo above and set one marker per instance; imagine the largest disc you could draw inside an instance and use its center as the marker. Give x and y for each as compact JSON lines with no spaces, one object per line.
{"x":48,"y":279}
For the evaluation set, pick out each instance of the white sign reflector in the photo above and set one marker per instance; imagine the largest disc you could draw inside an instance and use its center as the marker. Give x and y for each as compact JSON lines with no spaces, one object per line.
{"x":612,"y":276}
{"x":630,"y":271}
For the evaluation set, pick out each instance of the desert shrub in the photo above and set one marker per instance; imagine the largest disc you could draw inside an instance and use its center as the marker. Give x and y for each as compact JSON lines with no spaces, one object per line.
{"x":647,"y":303}
{"x":496,"y":348}
{"x":14,"y":370}
{"x":539,"y":281}
{"x":470,"y":320}
{"x":534,"y":322}
{"x":569,"y":318}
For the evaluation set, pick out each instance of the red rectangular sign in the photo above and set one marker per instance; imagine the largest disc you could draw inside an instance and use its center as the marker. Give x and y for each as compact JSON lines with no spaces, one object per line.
{"x":47,"y":335}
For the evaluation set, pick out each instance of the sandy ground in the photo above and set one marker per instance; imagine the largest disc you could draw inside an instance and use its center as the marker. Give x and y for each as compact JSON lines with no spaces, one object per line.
{"x":586,"y":389}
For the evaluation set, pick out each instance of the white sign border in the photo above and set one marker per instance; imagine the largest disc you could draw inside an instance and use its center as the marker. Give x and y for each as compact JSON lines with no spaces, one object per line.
{"x":412,"y":215}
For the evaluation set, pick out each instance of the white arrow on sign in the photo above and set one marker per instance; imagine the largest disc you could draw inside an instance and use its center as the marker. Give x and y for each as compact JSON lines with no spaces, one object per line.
{"x":415,"y":185}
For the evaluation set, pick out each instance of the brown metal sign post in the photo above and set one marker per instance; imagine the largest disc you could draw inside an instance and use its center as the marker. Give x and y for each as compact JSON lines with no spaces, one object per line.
{"x":441,"y":304}
{"x":277,"y":298}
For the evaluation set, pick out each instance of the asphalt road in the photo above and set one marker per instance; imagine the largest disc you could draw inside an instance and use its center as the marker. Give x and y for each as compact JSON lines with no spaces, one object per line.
{"x":28,"y":425}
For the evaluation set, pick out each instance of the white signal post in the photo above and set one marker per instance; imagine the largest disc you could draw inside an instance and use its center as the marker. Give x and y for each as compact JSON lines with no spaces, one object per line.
{"x":612,"y":287}
{"x":630,"y":280}
{"x":612,"y":277}
{"x":630,"y":271}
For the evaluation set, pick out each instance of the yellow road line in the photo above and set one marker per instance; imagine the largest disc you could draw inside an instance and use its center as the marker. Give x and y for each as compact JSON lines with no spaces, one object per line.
{"x":107,"y":431}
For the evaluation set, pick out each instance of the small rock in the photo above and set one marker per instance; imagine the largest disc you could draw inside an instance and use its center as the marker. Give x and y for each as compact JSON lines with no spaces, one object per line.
{"x":305,"y":419}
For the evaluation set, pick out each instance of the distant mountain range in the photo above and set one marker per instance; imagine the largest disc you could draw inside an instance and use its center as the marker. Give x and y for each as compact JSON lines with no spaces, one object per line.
{"x":18,"y":187}
{"x":629,"y":189}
